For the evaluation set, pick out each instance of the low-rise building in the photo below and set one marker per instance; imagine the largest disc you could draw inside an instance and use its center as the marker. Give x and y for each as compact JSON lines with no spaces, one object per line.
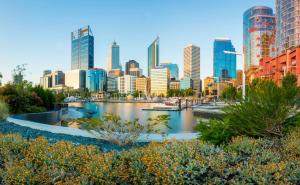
{"x":76,"y":79}
{"x":186,"y":83}
{"x":175,"y":84}
{"x":143,"y":85}
{"x":96,"y":80}
{"x":52,"y":80}
{"x":112,"y":84}
{"x":160,"y":78}
{"x":127,"y":84}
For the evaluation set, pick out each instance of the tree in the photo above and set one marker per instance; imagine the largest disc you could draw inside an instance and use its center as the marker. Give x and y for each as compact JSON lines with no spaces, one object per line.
{"x":230,"y":94}
{"x":113,"y":129}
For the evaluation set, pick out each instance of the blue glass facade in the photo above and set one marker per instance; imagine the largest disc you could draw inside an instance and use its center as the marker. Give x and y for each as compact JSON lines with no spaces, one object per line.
{"x":153,"y":55}
{"x":186,"y":83}
{"x":224,"y":64}
{"x":173,"y":68}
{"x":96,"y":80}
{"x":82,"y":52}
{"x":115,"y":56}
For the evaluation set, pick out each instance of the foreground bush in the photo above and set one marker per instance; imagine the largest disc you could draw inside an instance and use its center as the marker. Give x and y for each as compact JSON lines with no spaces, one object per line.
{"x":242,"y":161}
{"x":267,"y":111}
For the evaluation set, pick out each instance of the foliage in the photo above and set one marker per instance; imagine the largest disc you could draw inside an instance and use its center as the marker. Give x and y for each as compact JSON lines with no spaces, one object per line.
{"x":230,"y":94}
{"x":23,"y":98}
{"x":267,"y":111}
{"x":3,"y":111}
{"x":180,"y":92}
{"x":243,"y":161}
{"x":60,"y":97}
{"x":112,"y":128}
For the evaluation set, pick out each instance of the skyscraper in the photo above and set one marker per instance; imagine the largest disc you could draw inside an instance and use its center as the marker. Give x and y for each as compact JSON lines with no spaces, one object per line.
{"x":153,"y":55}
{"x":172,"y":67}
{"x":287,"y":23}
{"x":114,"y":57}
{"x":259,"y":34}
{"x":82,"y":49}
{"x":224,"y":64}
{"x":131,"y":64}
{"x":192,"y":65}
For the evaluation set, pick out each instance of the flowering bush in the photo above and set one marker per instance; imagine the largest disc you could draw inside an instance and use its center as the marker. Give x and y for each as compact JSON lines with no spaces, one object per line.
{"x":243,"y":161}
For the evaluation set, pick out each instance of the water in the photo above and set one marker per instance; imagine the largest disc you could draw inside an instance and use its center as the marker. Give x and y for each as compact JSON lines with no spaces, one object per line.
{"x":180,"y":121}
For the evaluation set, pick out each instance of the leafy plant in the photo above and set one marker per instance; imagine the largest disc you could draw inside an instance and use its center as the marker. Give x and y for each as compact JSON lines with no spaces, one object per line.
{"x":3,"y":111}
{"x":112,"y":128}
{"x":268,"y":111}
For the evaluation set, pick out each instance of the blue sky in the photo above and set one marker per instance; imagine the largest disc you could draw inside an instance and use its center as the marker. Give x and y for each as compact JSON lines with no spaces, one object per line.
{"x":37,"y":32}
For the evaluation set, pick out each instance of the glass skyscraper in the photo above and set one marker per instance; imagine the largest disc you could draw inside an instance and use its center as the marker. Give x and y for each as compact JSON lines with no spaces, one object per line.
{"x":258,"y":34}
{"x":224,"y":64}
{"x":114,"y":57}
{"x":191,"y":70}
{"x":173,"y":69}
{"x":153,"y":55}
{"x":82,"y":49}
{"x":287,"y":22}
{"x":96,"y":80}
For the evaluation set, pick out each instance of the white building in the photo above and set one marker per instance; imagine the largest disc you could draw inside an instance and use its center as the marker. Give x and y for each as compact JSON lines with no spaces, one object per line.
{"x":160,"y":77}
{"x":127,"y":84}
{"x":52,"y":80}
{"x":75,"y":79}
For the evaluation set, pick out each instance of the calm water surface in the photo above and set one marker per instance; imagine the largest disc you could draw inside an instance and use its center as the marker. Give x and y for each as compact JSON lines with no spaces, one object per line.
{"x":180,"y":121}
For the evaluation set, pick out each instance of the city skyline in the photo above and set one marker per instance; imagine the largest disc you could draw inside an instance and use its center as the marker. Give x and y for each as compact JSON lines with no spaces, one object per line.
{"x":37,"y":51}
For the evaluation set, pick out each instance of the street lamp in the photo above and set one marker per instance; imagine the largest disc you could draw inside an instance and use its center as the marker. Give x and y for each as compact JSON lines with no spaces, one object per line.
{"x":244,"y":75}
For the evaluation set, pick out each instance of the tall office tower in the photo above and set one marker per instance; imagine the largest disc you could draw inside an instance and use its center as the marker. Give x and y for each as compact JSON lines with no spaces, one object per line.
{"x":131,"y":64}
{"x":224,"y":64}
{"x":259,"y":35}
{"x":96,"y":80}
{"x":114,"y":57}
{"x":192,"y":65}
{"x":172,"y":67}
{"x":82,"y":49}
{"x":287,"y":24}
{"x":153,"y":55}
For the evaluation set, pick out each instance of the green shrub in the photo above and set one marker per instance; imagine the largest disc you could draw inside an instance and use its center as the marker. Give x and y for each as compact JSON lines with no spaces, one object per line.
{"x":4,"y":112}
{"x":243,"y":161}
{"x":267,"y":111}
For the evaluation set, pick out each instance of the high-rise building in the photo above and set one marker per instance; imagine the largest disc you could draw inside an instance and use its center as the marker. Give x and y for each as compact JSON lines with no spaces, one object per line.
{"x":114,"y":57}
{"x":287,"y":24}
{"x":76,"y":79}
{"x":131,"y":64}
{"x":96,"y":80}
{"x":172,"y":67}
{"x":116,"y":72}
{"x":224,"y":64}
{"x":143,"y":85}
{"x":259,"y":35}
{"x":192,"y":65}
{"x":153,"y":55}
{"x":82,"y":49}
{"x":160,"y":78}
{"x":127,"y":84}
